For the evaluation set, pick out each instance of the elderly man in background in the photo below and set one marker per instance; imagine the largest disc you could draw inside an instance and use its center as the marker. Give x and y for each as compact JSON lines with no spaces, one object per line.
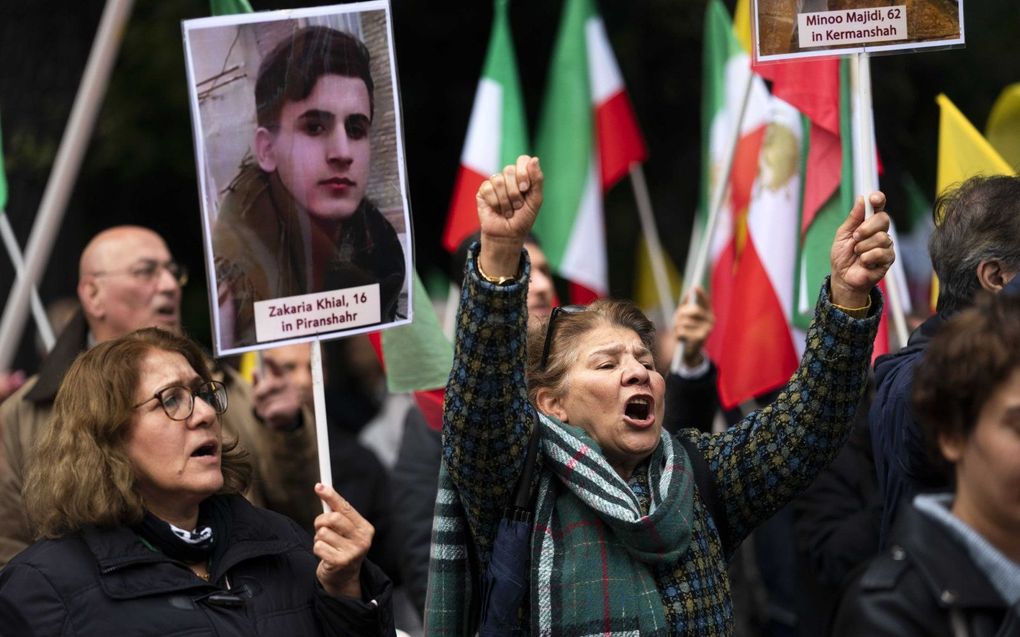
{"x":128,"y":280}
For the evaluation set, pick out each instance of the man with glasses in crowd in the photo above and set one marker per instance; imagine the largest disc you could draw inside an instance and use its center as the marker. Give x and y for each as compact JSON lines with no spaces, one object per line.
{"x":128,"y":280}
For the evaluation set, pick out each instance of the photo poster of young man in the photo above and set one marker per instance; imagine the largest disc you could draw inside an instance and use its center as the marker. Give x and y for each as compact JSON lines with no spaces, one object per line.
{"x":305,"y":211}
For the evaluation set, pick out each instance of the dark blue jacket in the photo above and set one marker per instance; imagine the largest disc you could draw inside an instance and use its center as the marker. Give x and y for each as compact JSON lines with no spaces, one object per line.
{"x":901,"y":458}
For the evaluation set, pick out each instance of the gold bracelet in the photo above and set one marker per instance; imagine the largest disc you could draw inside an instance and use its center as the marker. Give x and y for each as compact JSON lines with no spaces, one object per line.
{"x":497,"y":280}
{"x":855,"y":312}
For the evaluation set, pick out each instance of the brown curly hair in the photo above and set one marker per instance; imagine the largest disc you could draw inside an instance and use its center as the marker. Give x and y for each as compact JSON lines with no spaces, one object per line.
{"x":967,"y":361}
{"x":80,"y":474}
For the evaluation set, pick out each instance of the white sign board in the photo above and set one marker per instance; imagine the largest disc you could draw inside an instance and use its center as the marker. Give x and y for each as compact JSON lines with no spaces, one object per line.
{"x":791,"y":29}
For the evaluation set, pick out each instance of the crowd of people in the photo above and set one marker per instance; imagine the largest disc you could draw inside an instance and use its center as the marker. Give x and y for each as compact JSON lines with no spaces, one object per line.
{"x":577,"y":486}
{"x":181,"y":496}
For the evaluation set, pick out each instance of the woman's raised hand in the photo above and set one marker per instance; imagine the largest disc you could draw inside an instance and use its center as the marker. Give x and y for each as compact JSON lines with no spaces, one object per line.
{"x":862,"y":252}
{"x":342,"y":539}
{"x":508,"y":203}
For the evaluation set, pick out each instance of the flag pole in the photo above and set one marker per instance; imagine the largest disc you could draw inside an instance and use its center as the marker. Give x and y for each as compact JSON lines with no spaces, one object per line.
{"x":42,"y":322}
{"x":700,"y":264}
{"x":321,"y":422}
{"x":866,"y":174}
{"x":651,"y":234}
{"x":64,"y":173}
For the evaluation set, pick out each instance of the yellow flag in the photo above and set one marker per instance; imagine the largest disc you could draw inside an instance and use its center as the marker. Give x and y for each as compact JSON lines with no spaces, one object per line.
{"x":1003,"y":127}
{"x":247,"y":365}
{"x":742,"y":24}
{"x":646,"y":294}
{"x":963,"y":153}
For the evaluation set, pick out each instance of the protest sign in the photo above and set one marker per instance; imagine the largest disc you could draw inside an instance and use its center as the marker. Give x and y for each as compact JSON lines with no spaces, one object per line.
{"x":790,"y":29}
{"x":305,"y":213}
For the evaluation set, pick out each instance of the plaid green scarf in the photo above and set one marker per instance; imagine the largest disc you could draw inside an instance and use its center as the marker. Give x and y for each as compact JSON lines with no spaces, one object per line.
{"x":594,"y":555}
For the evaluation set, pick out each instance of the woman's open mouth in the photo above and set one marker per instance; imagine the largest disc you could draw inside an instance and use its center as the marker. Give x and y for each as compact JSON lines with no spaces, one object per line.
{"x":208,"y":450}
{"x":638,"y":411}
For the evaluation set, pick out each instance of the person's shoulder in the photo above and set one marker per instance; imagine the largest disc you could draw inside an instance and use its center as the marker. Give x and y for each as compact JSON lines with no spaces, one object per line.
{"x":251,"y":522}
{"x":246,"y":186}
{"x":55,"y":559}
{"x":888,"y":596}
{"x":888,"y":571}
{"x":376,"y":222}
{"x":889,"y":368}
{"x":17,"y":400}
{"x":19,"y":417}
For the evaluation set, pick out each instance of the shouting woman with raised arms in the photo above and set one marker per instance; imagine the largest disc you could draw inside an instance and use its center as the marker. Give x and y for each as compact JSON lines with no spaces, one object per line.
{"x":623,"y":540}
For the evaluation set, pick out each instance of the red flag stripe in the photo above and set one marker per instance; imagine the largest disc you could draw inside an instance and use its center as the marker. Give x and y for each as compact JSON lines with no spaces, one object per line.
{"x":463,"y":218}
{"x":811,"y":86}
{"x":581,"y":295}
{"x":754,"y":326}
{"x":824,"y":173}
{"x":619,"y":139}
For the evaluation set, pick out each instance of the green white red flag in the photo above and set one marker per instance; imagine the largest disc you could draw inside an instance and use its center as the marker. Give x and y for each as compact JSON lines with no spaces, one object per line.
{"x":497,"y":131}
{"x":771,"y":252}
{"x":821,"y":91}
{"x":587,"y":139}
{"x":754,"y":246}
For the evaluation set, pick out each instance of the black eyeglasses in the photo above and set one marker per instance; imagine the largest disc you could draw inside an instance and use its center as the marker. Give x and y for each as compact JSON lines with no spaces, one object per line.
{"x":551,"y":325}
{"x":178,"y":401}
{"x":148,"y":271}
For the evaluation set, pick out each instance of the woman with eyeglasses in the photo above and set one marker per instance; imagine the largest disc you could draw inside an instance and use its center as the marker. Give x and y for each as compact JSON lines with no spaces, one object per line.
{"x":135,"y":496}
{"x":623,"y":538}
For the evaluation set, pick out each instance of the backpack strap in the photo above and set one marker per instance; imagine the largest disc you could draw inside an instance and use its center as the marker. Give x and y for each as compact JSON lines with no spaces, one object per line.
{"x":705,"y":481}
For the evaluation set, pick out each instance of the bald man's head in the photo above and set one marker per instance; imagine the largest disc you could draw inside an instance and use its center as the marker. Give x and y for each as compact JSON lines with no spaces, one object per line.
{"x":128,"y":280}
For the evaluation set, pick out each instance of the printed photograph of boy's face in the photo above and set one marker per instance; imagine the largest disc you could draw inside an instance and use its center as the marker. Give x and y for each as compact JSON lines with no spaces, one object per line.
{"x":321,"y":149}
{"x":301,"y":173}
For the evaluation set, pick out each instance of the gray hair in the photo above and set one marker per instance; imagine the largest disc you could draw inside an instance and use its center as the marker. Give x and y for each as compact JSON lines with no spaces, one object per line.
{"x":977,"y":221}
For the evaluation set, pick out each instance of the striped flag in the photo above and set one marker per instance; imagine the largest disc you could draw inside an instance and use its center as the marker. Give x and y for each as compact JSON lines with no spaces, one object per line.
{"x":832,"y":199}
{"x":497,"y":132}
{"x":755,"y":242}
{"x":587,"y":139}
{"x":791,"y":187}
{"x":820,"y":89}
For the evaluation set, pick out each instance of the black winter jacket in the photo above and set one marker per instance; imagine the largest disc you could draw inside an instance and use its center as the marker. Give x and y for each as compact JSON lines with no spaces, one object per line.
{"x":106,"y":582}
{"x":925,"y":585}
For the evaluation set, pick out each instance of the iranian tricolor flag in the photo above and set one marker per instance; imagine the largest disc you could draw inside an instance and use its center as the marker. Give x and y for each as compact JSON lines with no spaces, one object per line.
{"x":821,"y":90}
{"x":755,"y":243}
{"x":831,"y":191}
{"x":497,"y":132}
{"x":587,"y":139}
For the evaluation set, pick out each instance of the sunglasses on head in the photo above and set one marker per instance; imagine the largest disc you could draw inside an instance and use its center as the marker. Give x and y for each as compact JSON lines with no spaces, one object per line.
{"x":551,"y":326}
